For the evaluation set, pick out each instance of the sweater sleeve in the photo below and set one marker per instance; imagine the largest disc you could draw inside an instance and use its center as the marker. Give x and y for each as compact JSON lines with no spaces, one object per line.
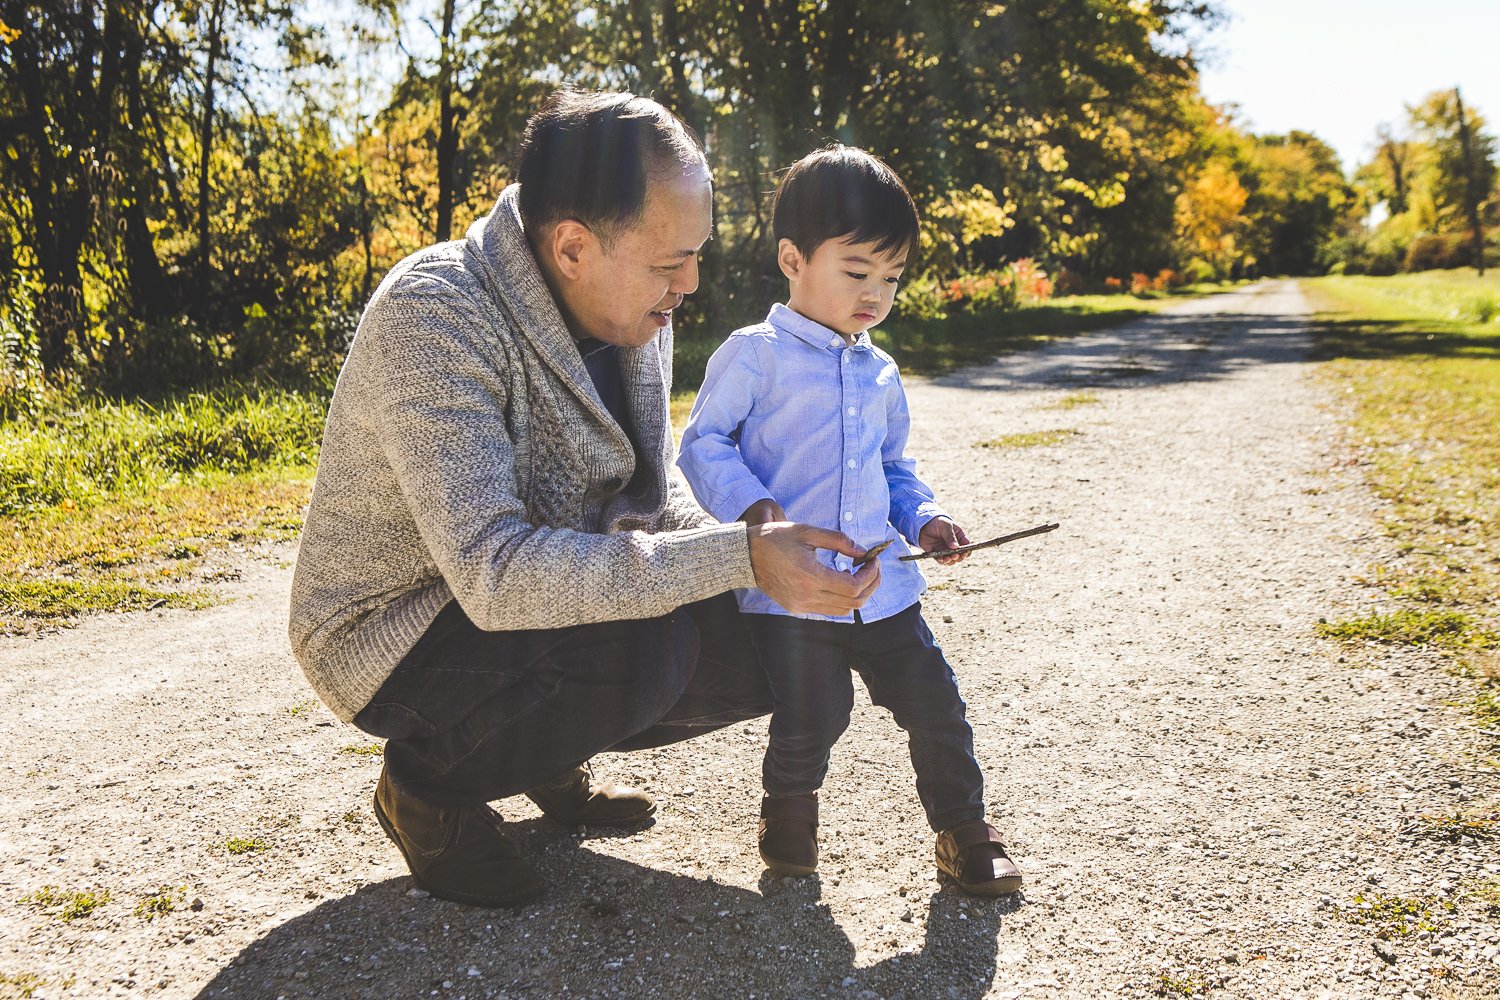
{"x":437,"y":399}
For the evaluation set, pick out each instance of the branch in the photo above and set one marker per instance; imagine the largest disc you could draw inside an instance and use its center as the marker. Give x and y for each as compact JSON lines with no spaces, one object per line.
{"x":1041,"y":529}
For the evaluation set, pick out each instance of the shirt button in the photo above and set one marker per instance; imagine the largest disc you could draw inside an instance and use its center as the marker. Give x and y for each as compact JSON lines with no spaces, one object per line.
{"x":848,"y":516}
{"x":834,"y":342}
{"x":851,"y":411}
{"x":852,"y":463}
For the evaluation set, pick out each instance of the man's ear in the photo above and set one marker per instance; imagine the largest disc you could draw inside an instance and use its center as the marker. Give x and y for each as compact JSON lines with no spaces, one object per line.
{"x":570,"y":243}
{"x":789,"y":258}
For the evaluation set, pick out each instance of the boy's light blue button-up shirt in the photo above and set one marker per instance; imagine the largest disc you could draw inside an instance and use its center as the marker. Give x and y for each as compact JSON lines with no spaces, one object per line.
{"x":789,"y":411}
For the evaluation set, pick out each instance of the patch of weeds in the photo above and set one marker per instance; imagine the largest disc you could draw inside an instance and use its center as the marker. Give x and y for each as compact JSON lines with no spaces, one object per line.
{"x":1454,"y":828}
{"x":1073,"y":400}
{"x":1396,"y":916}
{"x":363,"y":750}
{"x":353,"y":820}
{"x":1179,"y":984}
{"x":161,"y":903}
{"x":1486,"y":707}
{"x":245,"y":845}
{"x":1444,"y":629}
{"x":69,"y":905}
{"x":1485,"y":892}
{"x":304,"y":708}
{"x":113,"y":556}
{"x":55,"y":599}
{"x":20,"y":984}
{"x":1029,"y":439}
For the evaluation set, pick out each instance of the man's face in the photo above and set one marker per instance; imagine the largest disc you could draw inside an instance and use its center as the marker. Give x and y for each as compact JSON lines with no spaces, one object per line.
{"x":624,"y":294}
{"x":847,"y":287}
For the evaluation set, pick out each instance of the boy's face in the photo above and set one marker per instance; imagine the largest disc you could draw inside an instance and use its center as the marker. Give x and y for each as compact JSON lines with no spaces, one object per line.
{"x":845,"y":286}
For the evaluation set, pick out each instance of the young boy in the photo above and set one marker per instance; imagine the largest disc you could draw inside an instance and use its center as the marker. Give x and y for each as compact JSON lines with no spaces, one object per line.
{"x":802,"y":418}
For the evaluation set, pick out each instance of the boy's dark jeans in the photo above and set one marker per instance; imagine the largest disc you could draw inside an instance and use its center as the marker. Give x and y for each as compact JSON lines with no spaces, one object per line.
{"x":809,"y":664}
{"x":472,"y":716}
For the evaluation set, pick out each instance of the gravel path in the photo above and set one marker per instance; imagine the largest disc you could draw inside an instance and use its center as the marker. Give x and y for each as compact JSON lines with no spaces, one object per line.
{"x":1196,"y":788}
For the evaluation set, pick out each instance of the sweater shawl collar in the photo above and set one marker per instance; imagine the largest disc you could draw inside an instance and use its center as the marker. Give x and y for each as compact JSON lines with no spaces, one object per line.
{"x":509,"y":270}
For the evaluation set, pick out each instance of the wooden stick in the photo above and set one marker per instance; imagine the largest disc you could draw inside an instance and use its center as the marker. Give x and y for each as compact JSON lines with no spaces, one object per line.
{"x":1040,"y":529}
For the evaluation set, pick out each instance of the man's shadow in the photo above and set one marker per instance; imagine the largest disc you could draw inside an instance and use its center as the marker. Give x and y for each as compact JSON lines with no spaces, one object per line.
{"x":609,"y":927}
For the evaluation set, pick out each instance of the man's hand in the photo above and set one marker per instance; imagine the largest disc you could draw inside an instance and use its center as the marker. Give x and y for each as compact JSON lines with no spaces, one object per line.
{"x":941,"y":533}
{"x":782,"y":556}
{"x":763,"y":512}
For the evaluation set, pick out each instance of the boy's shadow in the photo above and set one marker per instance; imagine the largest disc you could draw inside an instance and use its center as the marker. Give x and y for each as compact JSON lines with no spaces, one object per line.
{"x":610,"y":927}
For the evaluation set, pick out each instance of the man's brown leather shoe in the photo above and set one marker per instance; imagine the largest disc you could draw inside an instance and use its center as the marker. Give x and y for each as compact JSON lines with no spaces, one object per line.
{"x":789,"y":833}
{"x":458,"y":854}
{"x":972,"y":855}
{"x":577,"y":799}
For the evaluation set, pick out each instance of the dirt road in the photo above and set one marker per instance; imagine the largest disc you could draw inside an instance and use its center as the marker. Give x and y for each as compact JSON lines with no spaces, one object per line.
{"x":1196,"y":787}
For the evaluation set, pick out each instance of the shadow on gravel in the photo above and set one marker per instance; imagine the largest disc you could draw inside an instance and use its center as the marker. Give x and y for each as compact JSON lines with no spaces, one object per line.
{"x":1153,"y":351}
{"x":614,"y":928}
{"x":1411,"y":338}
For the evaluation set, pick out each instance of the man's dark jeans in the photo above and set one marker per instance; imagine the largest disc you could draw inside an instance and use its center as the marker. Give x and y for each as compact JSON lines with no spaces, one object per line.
{"x":809,"y":664}
{"x":472,"y":716}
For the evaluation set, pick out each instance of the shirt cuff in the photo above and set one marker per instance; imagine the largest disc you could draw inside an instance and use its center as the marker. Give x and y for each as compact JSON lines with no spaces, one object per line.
{"x":739,"y":499}
{"x":911,"y":522}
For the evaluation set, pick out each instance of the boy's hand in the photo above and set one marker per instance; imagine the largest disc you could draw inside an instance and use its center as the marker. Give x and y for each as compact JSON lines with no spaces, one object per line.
{"x":763,"y":512}
{"x":942,"y":533}
{"x":784,"y":558}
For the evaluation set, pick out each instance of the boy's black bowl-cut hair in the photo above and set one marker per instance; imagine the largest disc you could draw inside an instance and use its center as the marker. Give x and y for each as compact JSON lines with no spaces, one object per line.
{"x":842,"y":192}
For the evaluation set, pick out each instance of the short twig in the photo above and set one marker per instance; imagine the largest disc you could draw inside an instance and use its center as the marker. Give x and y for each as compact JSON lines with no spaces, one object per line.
{"x":1041,"y":529}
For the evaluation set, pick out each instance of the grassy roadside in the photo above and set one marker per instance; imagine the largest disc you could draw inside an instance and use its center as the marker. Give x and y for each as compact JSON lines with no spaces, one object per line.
{"x":1418,"y":357}
{"x":109,"y":506}
{"x":124,"y":506}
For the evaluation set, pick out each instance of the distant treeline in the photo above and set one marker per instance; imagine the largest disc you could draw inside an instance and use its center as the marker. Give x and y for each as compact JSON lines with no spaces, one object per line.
{"x":190,"y":191}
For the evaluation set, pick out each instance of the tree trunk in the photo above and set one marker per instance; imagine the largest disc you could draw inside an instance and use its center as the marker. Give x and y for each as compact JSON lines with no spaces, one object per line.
{"x":447,"y":146}
{"x":1472,"y":195}
{"x":205,"y":150}
{"x":148,"y":283}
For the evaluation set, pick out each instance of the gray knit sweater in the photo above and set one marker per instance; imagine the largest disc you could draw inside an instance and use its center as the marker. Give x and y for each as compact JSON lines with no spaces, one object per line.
{"x":467,"y":456}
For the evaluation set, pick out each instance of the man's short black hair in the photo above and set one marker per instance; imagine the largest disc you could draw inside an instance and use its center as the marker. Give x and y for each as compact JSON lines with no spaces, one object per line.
{"x":589,"y":156}
{"x":842,"y":192}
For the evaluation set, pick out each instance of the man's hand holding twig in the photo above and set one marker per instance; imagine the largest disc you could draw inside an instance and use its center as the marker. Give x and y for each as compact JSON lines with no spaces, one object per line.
{"x":784,"y":558}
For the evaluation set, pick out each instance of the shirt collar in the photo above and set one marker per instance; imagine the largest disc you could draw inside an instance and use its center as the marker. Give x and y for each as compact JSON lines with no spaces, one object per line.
{"x":788,"y":320}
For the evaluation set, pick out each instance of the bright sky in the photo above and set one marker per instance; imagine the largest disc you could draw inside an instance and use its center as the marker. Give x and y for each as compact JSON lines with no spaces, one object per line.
{"x":1338,"y":68}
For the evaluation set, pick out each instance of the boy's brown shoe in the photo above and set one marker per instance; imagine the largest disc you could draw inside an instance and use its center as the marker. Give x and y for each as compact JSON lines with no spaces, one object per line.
{"x":458,"y":854}
{"x":577,"y":799}
{"x":789,"y":833}
{"x":972,"y":855}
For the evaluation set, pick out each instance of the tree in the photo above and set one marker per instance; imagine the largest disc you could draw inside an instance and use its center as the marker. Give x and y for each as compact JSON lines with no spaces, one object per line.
{"x":1459,"y":171}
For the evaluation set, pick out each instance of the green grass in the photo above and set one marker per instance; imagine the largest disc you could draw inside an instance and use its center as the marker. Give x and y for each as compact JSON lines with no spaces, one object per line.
{"x":81,"y":454}
{"x":70,"y":905}
{"x":245,"y":845}
{"x":363,"y":750}
{"x":1029,"y":439}
{"x":1179,"y":985}
{"x":108,"y":506}
{"x":1422,"y":377}
{"x":20,"y":984}
{"x":1396,"y":916}
{"x":160,"y":903}
{"x":1074,"y":400}
{"x":1437,"y":627}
